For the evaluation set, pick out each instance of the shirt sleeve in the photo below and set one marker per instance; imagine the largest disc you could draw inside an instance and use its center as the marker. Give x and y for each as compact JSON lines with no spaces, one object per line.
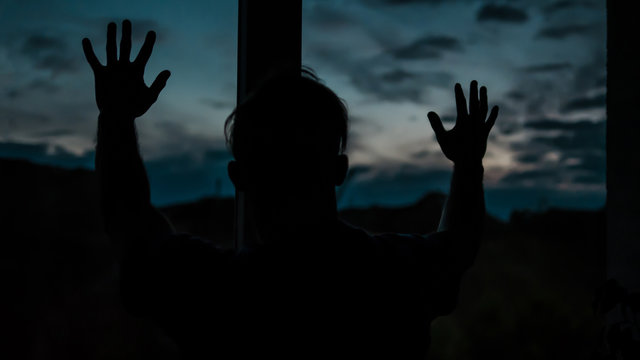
{"x":428,"y":264}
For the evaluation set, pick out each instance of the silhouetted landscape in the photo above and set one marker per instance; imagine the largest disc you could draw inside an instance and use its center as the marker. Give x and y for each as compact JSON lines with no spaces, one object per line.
{"x":529,"y":294}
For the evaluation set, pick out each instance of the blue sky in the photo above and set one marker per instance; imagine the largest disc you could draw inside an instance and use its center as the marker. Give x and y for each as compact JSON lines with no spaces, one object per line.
{"x":392,"y":61}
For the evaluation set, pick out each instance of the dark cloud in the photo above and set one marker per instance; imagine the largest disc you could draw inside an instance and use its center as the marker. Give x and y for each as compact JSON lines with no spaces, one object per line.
{"x":428,"y":47}
{"x":448,"y":118}
{"x":566,"y":5}
{"x":328,"y":18}
{"x":585,"y":103}
{"x":12,"y":93}
{"x":49,"y":53}
{"x":530,"y":157}
{"x":402,"y":2}
{"x":543,"y":177}
{"x":556,"y":124}
{"x":592,"y":74}
{"x":578,"y":135}
{"x":397,"y":75}
{"x":13,"y":119}
{"x":546,"y":68}
{"x":583,"y":170}
{"x":218,"y":104}
{"x":576,"y":140}
{"x":579,"y":148}
{"x":501,"y":13}
{"x":516,"y":95}
{"x":36,"y":44}
{"x":565,"y":142}
{"x":54,"y":133}
{"x":373,"y":84}
{"x":399,"y":84}
{"x":563,"y":31}
{"x":589,"y":179}
{"x":593,"y":161}
{"x":40,"y":84}
{"x":420,"y":154}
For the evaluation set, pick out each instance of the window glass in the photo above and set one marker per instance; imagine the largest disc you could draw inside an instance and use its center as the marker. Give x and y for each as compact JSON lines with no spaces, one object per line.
{"x":543,"y":63}
{"x":47,"y":106}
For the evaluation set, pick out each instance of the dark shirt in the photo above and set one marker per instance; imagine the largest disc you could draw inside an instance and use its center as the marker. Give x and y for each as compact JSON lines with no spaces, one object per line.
{"x":352,"y":295}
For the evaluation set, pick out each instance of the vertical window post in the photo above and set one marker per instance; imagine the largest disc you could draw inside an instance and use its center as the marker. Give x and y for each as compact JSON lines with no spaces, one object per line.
{"x":269,"y":39}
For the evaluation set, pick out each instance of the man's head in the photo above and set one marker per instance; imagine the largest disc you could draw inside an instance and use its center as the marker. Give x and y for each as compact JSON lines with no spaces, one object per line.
{"x":288,"y":140}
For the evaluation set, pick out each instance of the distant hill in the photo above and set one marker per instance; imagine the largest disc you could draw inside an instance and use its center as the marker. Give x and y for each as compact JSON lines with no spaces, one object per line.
{"x":528,"y":295}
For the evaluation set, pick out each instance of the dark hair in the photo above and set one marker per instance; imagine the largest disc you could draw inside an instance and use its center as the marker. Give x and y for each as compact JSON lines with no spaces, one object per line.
{"x":283,"y":107}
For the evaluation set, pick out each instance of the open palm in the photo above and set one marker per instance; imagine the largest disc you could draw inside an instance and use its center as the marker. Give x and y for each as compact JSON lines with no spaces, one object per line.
{"x":466,"y":142}
{"x":120,"y":86}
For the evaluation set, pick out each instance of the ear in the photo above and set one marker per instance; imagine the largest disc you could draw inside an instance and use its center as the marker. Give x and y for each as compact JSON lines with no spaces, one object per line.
{"x":237,"y":174}
{"x":342,"y":165}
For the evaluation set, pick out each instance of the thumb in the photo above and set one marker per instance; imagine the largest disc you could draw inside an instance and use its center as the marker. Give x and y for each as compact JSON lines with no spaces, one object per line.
{"x":436,"y":124}
{"x":159,"y":84}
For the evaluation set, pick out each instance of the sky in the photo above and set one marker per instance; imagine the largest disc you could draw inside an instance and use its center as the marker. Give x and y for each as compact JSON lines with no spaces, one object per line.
{"x":392,"y":61}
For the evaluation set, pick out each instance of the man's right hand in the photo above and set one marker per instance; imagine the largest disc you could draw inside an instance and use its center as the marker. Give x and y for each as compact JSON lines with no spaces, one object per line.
{"x":120,"y":87}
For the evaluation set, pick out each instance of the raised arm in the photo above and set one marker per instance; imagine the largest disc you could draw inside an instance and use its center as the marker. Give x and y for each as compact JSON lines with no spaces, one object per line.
{"x":465,"y":144}
{"x":122,"y":96}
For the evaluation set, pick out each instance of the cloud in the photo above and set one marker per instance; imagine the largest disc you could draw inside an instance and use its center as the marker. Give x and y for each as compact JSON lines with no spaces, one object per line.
{"x":585,"y":103}
{"x":542,"y":177}
{"x":546,"y":68}
{"x":501,"y":13}
{"x":556,"y":124}
{"x":36,"y":44}
{"x":399,"y":84}
{"x":14,"y":119}
{"x":563,"y":5}
{"x":563,"y":31}
{"x":54,"y":133}
{"x":46,"y":154}
{"x":327,"y":17}
{"x":403,"y":2}
{"x":575,"y":156}
{"x":49,"y":53}
{"x":217,"y":104}
{"x":397,"y":75}
{"x":517,"y":95}
{"x":592,"y":74}
{"x":575,"y":136}
{"x":421,"y":154}
{"x":45,"y":85}
{"x":530,"y":157}
{"x":428,"y":47}
{"x":592,"y":161}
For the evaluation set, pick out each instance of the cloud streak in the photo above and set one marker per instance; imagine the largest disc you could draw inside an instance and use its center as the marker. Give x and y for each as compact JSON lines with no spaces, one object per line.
{"x":49,"y":53}
{"x":564,"y":31}
{"x":501,"y":13}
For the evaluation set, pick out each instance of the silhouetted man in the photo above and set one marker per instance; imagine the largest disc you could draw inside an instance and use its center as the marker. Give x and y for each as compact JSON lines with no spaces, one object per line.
{"x":314,"y":287}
